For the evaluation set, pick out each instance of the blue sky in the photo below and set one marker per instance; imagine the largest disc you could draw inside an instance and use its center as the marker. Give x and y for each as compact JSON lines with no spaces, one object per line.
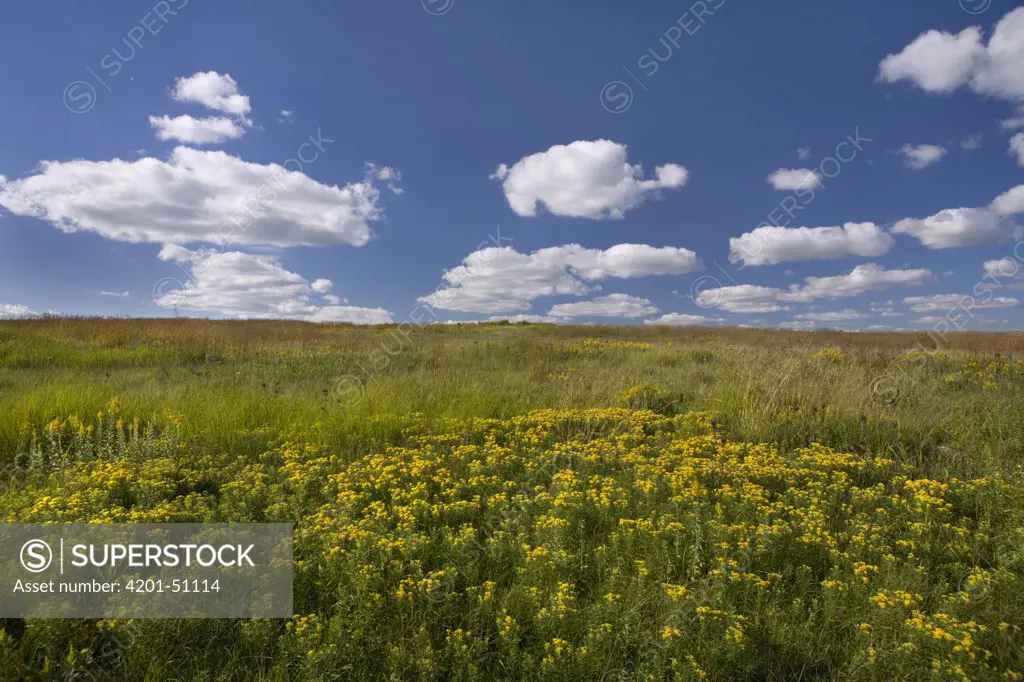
{"x":417,"y":105}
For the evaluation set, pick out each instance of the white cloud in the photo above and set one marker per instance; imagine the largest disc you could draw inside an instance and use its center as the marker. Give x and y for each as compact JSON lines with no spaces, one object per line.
{"x":286,"y":116}
{"x":387,"y":175}
{"x":1001,"y":72}
{"x":863,"y":278}
{"x":584,"y":179}
{"x":612,"y":305}
{"x":121,"y":294}
{"x":173,"y":252}
{"x":196,"y":130}
{"x":935,"y":61}
{"x":1000,"y":273}
{"x":1001,"y":268}
{"x":948,"y":319}
{"x":500,"y":279}
{"x":769,"y":245}
{"x":350,"y":314}
{"x":741,"y":298}
{"x":972,"y":142}
{"x":682,"y":320}
{"x":631,"y":260}
{"x":1010,"y":202}
{"x":746,"y":298}
{"x":884,"y":309}
{"x":922,"y":155}
{"x":195,"y":196}
{"x":803,"y":152}
{"x":1017,"y":148}
{"x":213,"y":91}
{"x":534,"y":319}
{"x":946,"y":302}
{"x":940,"y":62}
{"x":12,"y":310}
{"x":1016,"y":121}
{"x":794,"y":178}
{"x":833,"y":316}
{"x":248,"y":286}
{"x":954,"y":227}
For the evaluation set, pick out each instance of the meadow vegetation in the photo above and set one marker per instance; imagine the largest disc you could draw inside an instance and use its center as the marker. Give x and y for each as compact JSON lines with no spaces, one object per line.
{"x":539,"y":502}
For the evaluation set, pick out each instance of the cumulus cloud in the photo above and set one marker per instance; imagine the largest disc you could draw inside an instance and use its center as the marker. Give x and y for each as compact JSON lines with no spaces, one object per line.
{"x":936,"y":61}
{"x":922,"y":155}
{"x":533,"y":319}
{"x":500,"y":279}
{"x":861,"y":279}
{"x":12,"y":311}
{"x":747,"y":298}
{"x":833,"y":316}
{"x":189,"y":130}
{"x":741,"y":298}
{"x":787,"y":179}
{"x":350,"y":314}
{"x":999,"y":273}
{"x":954,"y":227}
{"x":941,"y":62}
{"x":1015,"y":122}
{"x":213,"y":91}
{"x":682,"y":320}
{"x":195,"y":196}
{"x":1000,"y":267}
{"x":884,"y":309}
{"x":797,"y":325}
{"x":768,"y":245}
{"x":946,"y":302}
{"x":387,"y":175}
{"x":120,"y":294}
{"x":972,"y":142}
{"x":1010,"y":202}
{"x":612,"y":305}
{"x":584,"y":179}
{"x":627,"y":261}
{"x":1017,"y":148}
{"x":248,"y":286}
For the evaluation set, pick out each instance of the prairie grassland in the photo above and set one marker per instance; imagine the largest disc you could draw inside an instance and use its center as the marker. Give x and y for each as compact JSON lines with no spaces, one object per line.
{"x":535,"y":502}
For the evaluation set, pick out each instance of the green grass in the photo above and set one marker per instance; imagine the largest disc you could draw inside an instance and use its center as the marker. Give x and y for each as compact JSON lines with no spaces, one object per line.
{"x":227,"y":380}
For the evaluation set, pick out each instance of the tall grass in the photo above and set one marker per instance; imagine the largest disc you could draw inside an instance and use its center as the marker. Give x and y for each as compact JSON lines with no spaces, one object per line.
{"x":239,"y":384}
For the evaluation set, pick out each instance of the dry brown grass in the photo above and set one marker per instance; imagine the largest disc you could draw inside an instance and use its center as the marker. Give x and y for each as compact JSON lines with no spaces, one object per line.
{"x":188,"y":331}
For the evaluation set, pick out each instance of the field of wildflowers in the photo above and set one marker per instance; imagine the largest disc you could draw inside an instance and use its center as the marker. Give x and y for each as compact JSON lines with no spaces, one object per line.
{"x":621,"y":505}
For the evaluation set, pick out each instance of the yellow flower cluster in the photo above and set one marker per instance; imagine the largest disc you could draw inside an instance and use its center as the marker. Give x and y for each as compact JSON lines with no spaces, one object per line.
{"x":830,"y":355}
{"x":547,"y":544}
{"x":993,"y":373}
{"x":594,"y":345}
